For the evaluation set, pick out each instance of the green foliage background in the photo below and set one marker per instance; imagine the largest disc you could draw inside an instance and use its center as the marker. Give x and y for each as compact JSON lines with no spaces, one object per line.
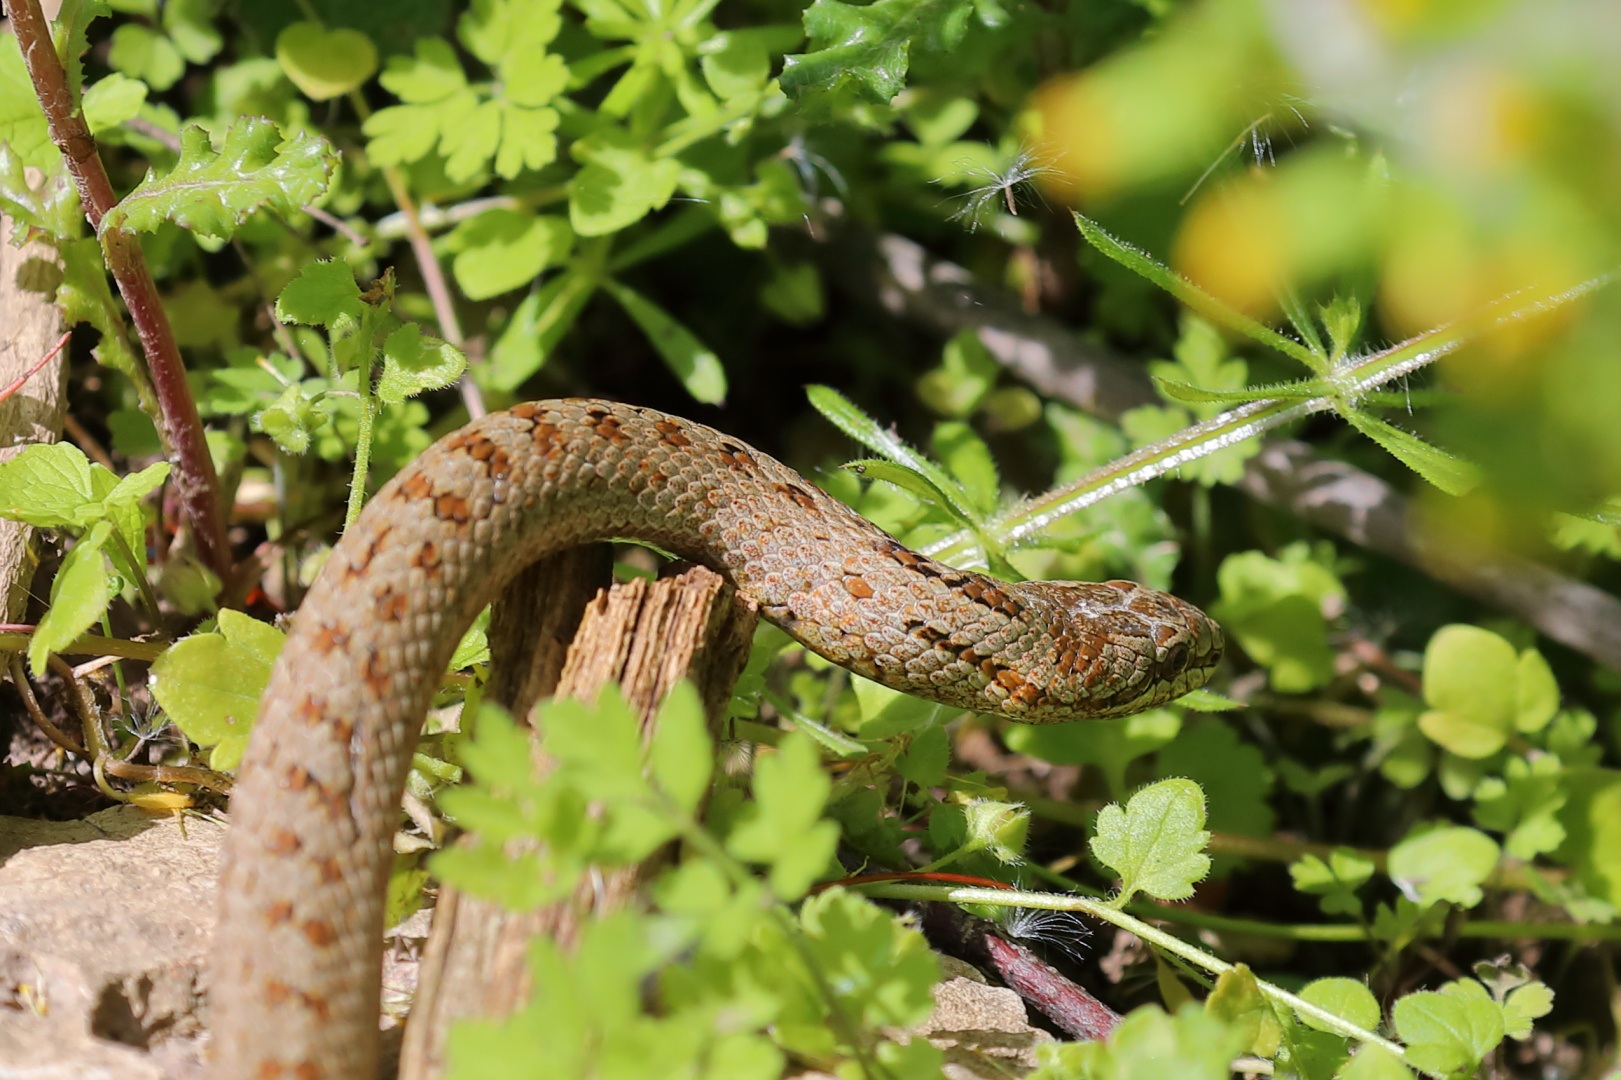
{"x":1399,"y":823}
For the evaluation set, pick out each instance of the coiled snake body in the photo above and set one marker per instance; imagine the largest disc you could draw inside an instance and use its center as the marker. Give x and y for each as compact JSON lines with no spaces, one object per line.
{"x":298,"y":946}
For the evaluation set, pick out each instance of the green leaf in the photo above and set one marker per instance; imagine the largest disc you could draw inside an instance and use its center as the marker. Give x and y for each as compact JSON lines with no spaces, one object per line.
{"x":878,"y":968}
{"x":1238,"y":1002}
{"x":784,"y":827}
{"x":1187,"y":393}
{"x":1374,"y":1062}
{"x":844,"y":415}
{"x":1335,"y":880}
{"x":1149,"y":1045}
{"x":1524,"y":803}
{"x":689,"y":359}
{"x":1156,"y":843}
{"x":1111,"y":744}
{"x":49,"y":486}
{"x":211,"y":193}
{"x":1451,"y":474}
{"x":1348,"y":999}
{"x":967,"y":372}
{"x":1275,"y":608}
{"x":325,"y":63}
{"x":501,"y":250}
{"x":1537,"y":697}
{"x":537,"y":325}
{"x":682,"y":755}
{"x":869,"y":46}
{"x":210,"y":683}
{"x":413,"y":363}
{"x":925,"y":761}
{"x":1471,"y":679}
{"x":1447,"y":1033}
{"x":1207,"y":701}
{"x":323,"y":294}
{"x":145,"y":54}
{"x":1446,"y":864}
{"x":80,"y":594}
{"x":1190,"y":294}
{"x":22,"y":122}
{"x":908,"y":479}
{"x":1233,"y":775}
{"x":51,"y":205}
{"x":619,"y":184}
{"x":110,"y":101}
{"x":969,"y":460}
{"x":291,"y":419}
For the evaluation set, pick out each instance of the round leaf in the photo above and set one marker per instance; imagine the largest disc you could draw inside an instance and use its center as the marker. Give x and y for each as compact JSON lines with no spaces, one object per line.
{"x":325,"y":63}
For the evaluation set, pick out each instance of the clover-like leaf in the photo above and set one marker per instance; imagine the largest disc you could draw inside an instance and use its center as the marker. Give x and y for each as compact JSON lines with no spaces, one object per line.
{"x":212,"y":192}
{"x":1156,"y":844}
{"x":210,"y":683}
{"x":413,"y":363}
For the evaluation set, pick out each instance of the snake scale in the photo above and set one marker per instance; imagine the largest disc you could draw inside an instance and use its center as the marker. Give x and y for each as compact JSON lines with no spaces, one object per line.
{"x":298,"y":947}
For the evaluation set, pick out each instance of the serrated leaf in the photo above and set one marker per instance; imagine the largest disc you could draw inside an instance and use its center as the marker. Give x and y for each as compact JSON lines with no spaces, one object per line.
{"x":48,"y":486}
{"x":784,"y":827}
{"x":692,"y":362}
{"x":211,"y":193}
{"x":869,"y":46}
{"x":1156,"y":843}
{"x":325,"y":62}
{"x":210,"y":683}
{"x":681,"y":755}
{"x":414,"y":363}
{"x":52,"y":204}
{"x":80,"y":594}
{"x":323,"y":294}
{"x":1451,"y":474}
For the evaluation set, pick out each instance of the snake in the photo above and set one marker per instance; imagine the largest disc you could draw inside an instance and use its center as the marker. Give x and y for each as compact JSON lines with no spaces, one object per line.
{"x":294,"y":983}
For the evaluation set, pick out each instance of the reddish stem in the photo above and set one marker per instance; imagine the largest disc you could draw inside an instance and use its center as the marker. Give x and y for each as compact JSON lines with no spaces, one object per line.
{"x":17,"y":384}
{"x":178,"y":422}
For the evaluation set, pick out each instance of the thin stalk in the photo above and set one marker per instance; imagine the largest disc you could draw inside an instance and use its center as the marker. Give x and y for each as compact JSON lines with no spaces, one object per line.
{"x":1353,"y":378}
{"x":1147,"y":932}
{"x":363,"y":438}
{"x":15,"y":637}
{"x":178,"y":421}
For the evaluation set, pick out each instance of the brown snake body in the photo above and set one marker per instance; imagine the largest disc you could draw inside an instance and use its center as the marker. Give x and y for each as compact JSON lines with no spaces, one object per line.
{"x":298,"y":947}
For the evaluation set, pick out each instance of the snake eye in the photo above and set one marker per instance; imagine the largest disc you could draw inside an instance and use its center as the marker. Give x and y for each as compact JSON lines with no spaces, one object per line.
{"x":1177,"y":658}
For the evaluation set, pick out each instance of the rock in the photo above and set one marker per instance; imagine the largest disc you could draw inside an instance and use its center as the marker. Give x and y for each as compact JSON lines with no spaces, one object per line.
{"x":104,"y":931}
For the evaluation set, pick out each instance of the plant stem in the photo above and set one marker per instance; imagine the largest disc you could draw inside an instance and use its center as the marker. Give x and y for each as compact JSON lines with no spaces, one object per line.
{"x":433,"y":276}
{"x":363,"y":438}
{"x":1151,"y":934}
{"x":178,"y":421}
{"x":15,"y":638}
{"x":1351,"y":379}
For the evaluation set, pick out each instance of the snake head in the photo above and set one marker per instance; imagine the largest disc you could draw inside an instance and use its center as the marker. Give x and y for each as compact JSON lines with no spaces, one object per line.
{"x":1119,"y":648}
